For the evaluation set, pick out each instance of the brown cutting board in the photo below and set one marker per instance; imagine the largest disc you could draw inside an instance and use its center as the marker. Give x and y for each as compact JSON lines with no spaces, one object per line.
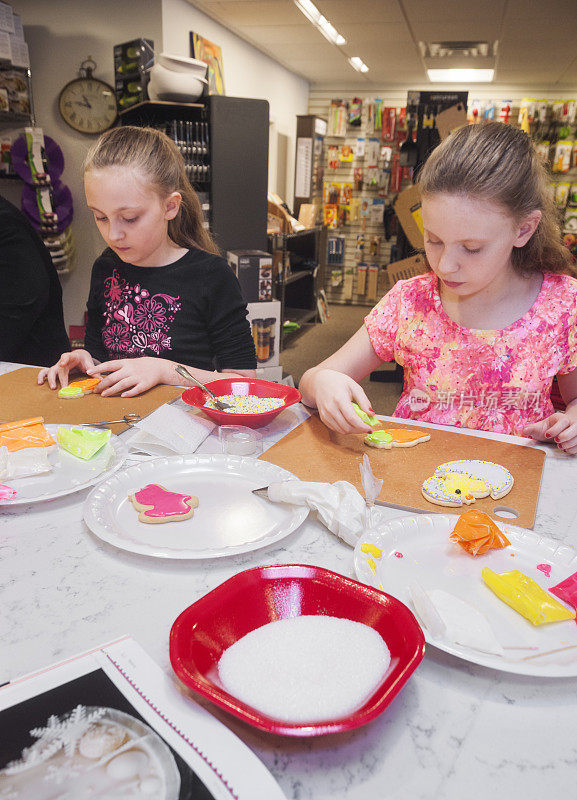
{"x":314,"y":453}
{"x":21,"y":398}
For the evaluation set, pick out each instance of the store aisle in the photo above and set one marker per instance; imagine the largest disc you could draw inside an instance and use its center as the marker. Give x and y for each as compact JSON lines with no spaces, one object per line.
{"x":319,"y":341}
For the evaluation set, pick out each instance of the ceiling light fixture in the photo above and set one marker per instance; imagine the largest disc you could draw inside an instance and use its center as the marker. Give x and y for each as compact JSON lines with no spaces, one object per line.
{"x":358,"y":64}
{"x":321,"y":23}
{"x":461,"y":75}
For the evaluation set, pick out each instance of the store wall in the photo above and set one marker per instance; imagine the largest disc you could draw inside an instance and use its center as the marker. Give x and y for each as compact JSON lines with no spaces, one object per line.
{"x":247,"y":73}
{"x":61,"y":34}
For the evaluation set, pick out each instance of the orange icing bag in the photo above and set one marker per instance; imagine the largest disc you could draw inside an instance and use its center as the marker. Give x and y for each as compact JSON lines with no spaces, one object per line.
{"x":25,"y":433}
{"x":526,"y":597}
{"x":476,"y":533}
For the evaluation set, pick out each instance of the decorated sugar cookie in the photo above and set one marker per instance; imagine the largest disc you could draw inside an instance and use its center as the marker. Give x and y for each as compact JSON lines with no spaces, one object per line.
{"x":395,"y":437}
{"x":156,"y":504}
{"x":457,"y":483}
{"x":79,"y":388}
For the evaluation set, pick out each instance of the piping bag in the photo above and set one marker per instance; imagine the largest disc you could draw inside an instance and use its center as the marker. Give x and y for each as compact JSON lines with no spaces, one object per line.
{"x":340,"y":507}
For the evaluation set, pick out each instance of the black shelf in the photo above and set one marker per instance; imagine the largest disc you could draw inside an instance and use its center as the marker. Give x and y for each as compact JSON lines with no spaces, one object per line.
{"x":296,"y":276}
{"x":300,"y":315}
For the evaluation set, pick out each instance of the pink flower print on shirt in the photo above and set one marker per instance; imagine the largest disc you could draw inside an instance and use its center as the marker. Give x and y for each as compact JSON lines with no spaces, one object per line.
{"x":135,"y":321}
{"x":150,"y":315}
{"x":116,"y":338}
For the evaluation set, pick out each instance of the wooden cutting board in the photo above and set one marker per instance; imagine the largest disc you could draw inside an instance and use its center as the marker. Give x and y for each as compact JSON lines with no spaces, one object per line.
{"x":314,"y":453}
{"x":21,"y":398}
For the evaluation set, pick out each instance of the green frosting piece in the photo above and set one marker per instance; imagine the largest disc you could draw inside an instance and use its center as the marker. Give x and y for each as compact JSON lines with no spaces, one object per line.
{"x":70,"y":391}
{"x":372,"y":421}
{"x":380,"y":437}
{"x":81,"y":442}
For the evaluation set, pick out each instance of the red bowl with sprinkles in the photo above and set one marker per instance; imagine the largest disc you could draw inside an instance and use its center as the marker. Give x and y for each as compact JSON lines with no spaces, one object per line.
{"x":255,"y":392}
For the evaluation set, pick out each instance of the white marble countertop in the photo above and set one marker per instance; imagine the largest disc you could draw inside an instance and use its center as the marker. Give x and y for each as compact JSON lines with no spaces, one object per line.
{"x":455,"y":730}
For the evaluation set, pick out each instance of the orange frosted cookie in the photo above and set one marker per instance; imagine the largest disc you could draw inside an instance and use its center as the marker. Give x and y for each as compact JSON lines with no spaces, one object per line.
{"x":156,"y":504}
{"x":395,"y":437}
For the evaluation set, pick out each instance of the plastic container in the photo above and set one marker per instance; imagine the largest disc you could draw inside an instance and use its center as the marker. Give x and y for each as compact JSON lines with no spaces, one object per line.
{"x":178,"y":79}
{"x":257,"y":596}
{"x":242,"y":386}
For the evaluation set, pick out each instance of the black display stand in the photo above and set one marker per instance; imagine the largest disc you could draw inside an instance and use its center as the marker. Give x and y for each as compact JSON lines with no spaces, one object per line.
{"x":234,"y":189}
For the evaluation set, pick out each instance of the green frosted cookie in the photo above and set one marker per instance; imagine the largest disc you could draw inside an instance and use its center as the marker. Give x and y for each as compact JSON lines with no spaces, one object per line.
{"x":378,"y":437}
{"x":372,"y":421}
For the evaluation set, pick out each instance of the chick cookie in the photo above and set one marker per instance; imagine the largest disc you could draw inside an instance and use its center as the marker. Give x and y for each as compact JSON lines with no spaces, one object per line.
{"x":156,"y":504}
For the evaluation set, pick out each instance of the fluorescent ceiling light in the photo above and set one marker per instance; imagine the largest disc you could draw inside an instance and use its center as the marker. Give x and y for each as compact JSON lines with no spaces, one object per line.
{"x":321,"y":23}
{"x":461,"y":75}
{"x":358,"y":64}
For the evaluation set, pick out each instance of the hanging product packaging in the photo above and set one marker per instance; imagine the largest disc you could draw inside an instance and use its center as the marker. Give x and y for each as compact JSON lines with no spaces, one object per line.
{"x":356,"y":111}
{"x":373,"y":150}
{"x":360,"y":148}
{"x":25,"y":433}
{"x":338,"y":118}
{"x":346,"y":153}
{"x":570,"y":221}
{"x":358,"y":175}
{"x":333,"y":157}
{"x":562,"y":157}
{"x":562,"y":194}
{"x":526,"y":597}
{"x":476,"y":533}
{"x":389,"y":115}
{"x":378,"y":115}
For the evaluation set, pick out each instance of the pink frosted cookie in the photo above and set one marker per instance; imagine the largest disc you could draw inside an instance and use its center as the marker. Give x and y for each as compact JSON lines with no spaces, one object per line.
{"x":156,"y":504}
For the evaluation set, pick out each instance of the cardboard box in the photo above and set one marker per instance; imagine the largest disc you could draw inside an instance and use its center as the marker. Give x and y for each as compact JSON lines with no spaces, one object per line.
{"x":253,"y":268}
{"x":264,"y":319}
{"x":408,"y":209}
{"x":407,"y":268}
{"x":132,"y":63}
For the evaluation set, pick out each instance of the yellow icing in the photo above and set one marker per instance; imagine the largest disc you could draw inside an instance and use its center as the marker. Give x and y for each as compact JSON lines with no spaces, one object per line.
{"x":372,"y":565}
{"x":372,"y":549}
{"x":526,"y":597}
{"x":473,"y":486}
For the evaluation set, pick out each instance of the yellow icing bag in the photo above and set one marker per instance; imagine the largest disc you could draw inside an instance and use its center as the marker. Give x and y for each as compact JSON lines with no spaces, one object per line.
{"x":526,"y":597}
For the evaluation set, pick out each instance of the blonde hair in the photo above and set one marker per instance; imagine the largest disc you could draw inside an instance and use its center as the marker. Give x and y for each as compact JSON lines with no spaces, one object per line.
{"x":498,"y":163}
{"x":159,"y":160}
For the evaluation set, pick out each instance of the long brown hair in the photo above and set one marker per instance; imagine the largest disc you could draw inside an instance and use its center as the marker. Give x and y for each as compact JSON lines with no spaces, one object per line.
{"x":159,"y":160}
{"x":498,"y":163}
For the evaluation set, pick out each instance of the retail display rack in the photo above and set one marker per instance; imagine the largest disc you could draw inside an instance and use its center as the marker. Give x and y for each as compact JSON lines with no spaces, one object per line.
{"x":224,"y":142}
{"x":299,"y":275}
{"x":362,"y":173}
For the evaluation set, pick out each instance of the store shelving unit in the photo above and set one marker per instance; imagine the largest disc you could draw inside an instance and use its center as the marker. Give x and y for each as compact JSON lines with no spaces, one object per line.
{"x":301,"y":273}
{"x":234,"y":188}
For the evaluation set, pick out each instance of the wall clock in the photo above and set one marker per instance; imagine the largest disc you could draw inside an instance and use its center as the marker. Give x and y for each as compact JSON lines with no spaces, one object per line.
{"x":88,"y":104}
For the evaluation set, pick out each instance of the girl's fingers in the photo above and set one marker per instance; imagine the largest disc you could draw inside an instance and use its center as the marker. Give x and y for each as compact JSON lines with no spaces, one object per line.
{"x":117,"y":383}
{"x":42,"y":375}
{"x":361,"y":399}
{"x":569,"y":447}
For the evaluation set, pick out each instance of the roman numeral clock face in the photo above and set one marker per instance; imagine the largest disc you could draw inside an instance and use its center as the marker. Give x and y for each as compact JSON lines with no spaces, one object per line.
{"x":88,"y":105}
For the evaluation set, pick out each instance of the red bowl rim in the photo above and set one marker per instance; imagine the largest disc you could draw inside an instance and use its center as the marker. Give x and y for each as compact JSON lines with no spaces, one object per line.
{"x":291,"y":397}
{"x":367,"y":712}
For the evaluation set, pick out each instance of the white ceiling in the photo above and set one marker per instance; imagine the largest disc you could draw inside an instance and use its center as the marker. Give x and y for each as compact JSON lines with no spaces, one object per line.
{"x":537,"y":38}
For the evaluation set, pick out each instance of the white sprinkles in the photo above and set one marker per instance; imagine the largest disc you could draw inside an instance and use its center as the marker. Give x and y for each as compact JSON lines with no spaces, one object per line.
{"x":247,"y":404}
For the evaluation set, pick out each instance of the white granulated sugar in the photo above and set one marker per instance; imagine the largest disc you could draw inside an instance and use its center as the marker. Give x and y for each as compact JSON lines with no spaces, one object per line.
{"x":306,"y":669}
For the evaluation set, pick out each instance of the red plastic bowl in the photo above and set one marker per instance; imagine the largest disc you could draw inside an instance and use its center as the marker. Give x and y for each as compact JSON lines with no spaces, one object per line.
{"x":257,"y":596}
{"x":242,"y":386}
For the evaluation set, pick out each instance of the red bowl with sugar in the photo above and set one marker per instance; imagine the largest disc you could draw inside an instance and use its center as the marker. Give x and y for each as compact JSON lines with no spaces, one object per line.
{"x":242,"y":387}
{"x":257,"y":596}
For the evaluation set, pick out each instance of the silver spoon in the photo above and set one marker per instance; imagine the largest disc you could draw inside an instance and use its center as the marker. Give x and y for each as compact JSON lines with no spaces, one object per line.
{"x":186,"y":374}
{"x":128,"y":419}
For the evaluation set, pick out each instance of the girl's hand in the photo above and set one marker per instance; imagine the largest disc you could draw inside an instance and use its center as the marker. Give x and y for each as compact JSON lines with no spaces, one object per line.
{"x":76,"y":359}
{"x":129,"y":376}
{"x":558,"y":426}
{"x":334,"y":393}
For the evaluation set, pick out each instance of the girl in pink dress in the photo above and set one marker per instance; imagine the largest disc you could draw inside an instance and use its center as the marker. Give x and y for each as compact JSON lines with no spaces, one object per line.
{"x":482,"y":335}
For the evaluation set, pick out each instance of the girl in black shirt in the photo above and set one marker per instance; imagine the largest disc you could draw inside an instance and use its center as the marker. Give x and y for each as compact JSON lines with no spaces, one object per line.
{"x":160,"y":294}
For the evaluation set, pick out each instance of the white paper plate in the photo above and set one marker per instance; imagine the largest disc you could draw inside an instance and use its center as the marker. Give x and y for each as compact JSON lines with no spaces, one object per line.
{"x":229,"y":519}
{"x":429,"y":558}
{"x":69,"y":474}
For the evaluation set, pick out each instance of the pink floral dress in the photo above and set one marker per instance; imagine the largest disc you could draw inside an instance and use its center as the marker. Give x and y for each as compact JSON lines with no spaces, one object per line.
{"x":490,"y":380}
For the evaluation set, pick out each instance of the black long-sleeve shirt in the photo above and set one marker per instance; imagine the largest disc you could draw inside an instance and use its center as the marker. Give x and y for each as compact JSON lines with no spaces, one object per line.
{"x":189,"y":311}
{"x":31,"y":320}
